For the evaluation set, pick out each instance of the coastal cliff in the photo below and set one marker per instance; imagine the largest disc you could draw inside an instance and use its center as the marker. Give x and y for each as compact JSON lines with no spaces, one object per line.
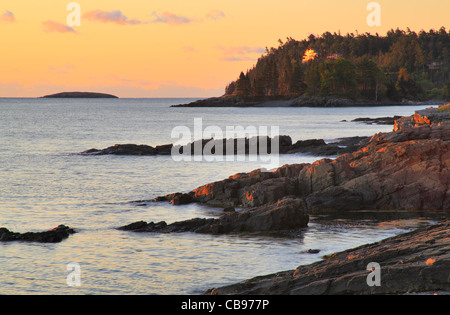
{"x":345,"y":70}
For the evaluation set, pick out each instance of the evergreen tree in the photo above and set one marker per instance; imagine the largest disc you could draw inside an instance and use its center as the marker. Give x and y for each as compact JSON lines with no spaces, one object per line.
{"x":243,"y":87}
{"x":312,"y":79}
{"x":337,"y":77}
{"x":297,"y":84}
{"x":370,"y":78}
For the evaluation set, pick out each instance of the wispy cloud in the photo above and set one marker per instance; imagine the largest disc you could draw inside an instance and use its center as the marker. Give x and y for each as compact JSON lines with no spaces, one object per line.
{"x":189,"y":49}
{"x":7,"y":17}
{"x":52,"y":26}
{"x":61,"y":69}
{"x":241,"y":50}
{"x":237,"y":58}
{"x":170,"y":18}
{"x":115,"y":16}
{"x":215,"y":15}
{"x":241,"y":53}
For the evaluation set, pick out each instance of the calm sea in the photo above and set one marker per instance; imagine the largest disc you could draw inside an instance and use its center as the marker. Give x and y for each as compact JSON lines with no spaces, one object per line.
{"x":44,"y":183}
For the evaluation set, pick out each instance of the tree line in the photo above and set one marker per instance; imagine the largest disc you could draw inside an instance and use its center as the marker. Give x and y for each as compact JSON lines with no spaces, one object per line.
{"x":400,"y":65}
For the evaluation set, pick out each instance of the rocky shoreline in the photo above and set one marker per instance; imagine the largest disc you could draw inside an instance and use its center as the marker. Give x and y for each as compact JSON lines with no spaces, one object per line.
{"x":403,"y":170}
{"x":301,"y":101}
{"x":414,"y":262}
{"x":315,"y":147}
{"x":407,"y":169}
{"x":260,"y":145}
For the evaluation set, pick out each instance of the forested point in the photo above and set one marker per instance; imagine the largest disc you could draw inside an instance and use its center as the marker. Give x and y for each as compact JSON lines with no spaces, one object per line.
{"x":403,"y":65}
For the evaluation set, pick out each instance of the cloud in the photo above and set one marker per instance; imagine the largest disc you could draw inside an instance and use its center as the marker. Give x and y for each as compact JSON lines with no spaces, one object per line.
{"x":241,"y":53}
{"x":235,"y":58}
{"x":215,"y":15}
{"x":241,"y":50}
{"x":7,"y":17}
{"x":117,"y":17}
{"x":189,"y":49}
{"x":61,"y":69}
{"x":114,"y":16}
{"x":52,"y":26}
{"x":170,"y":18}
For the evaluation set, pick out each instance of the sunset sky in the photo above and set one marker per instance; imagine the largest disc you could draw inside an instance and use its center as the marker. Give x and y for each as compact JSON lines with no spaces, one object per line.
{"x":172,"y":48}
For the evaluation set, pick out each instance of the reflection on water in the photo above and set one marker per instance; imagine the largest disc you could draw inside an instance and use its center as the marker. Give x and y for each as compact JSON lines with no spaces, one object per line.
{"x":116,"y":262}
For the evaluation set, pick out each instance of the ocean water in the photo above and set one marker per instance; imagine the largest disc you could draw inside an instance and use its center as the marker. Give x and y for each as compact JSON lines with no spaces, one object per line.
{"x":44,"y":182}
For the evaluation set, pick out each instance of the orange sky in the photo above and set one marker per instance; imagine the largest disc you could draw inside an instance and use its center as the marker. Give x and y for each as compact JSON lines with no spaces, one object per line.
{"x":172,"y":48}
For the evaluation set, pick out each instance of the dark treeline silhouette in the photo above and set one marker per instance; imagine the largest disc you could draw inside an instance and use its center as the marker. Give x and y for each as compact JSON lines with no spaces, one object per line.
{"x":400,"y":65}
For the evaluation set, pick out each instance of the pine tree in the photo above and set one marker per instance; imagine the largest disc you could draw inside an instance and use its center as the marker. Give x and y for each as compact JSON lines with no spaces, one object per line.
{"x":243,"y":87}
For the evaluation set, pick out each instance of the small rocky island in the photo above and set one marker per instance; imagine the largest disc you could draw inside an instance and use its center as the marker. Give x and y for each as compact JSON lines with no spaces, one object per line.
{"x":79,"y":95}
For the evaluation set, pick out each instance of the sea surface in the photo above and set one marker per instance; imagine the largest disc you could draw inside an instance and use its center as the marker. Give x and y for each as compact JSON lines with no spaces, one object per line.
{"x":44,"y":182}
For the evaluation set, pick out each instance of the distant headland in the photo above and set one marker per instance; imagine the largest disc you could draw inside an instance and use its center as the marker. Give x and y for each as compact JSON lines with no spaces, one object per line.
{"x":332,"y":69}
{"x":79,"y":95}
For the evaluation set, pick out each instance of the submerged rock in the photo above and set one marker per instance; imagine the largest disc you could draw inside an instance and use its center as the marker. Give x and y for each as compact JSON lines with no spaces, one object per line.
{"x":54,"y":235}
{"x":414,"y":262}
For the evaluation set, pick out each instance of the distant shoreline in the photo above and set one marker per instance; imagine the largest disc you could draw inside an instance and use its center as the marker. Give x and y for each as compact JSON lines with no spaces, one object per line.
{"x":302,"y":101}
{"x":79,"y":95}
